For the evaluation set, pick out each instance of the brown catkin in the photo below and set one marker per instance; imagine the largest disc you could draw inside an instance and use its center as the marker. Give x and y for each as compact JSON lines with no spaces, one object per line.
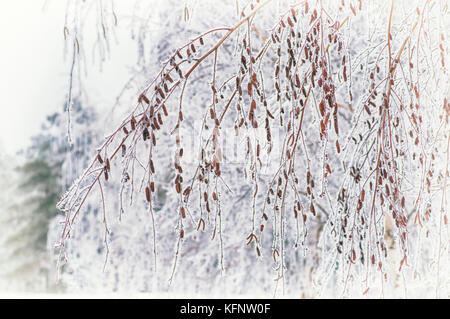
{"x":152,"y":167}
{"x":312,"y":209}
{"x":146,"y":100}
{"x":161,"y":93}
{"x":290,"y":22}
{"x":336,"y":127}
{"x":147,"y":194}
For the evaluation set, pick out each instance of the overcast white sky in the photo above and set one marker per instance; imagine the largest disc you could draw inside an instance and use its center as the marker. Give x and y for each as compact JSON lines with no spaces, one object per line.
{"x":34,"y":72}
{"x":32,"y":67}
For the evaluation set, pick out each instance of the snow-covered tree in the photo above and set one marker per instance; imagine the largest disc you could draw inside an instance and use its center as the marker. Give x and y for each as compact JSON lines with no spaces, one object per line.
{"x":273,"y":147}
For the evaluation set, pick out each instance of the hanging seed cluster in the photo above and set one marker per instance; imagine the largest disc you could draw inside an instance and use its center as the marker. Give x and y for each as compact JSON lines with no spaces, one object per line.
{"x":343,"y":161}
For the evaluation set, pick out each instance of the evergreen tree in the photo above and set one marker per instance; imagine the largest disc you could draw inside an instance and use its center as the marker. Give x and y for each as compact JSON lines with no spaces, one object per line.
{"x":36,"y":186}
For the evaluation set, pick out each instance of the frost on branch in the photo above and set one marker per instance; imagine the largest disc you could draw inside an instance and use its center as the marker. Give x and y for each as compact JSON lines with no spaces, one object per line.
{"x":313,"y":141}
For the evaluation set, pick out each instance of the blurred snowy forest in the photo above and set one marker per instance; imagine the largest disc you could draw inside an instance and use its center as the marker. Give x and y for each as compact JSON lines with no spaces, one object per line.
{"x":305,"y":156}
